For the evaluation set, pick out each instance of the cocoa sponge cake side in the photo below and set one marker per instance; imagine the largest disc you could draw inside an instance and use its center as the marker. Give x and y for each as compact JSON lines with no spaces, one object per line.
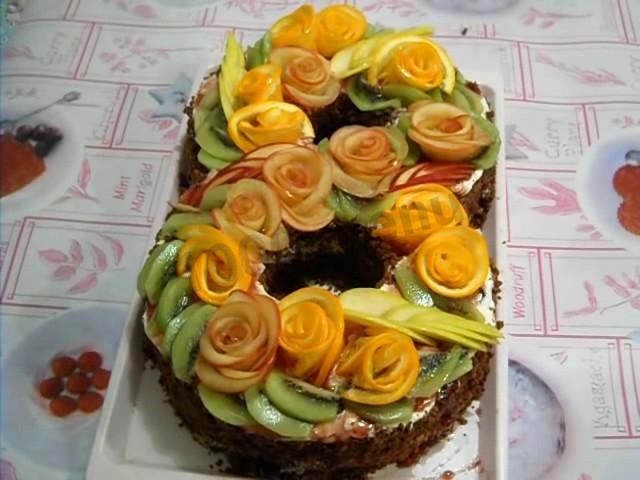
{"x":320,"y":303}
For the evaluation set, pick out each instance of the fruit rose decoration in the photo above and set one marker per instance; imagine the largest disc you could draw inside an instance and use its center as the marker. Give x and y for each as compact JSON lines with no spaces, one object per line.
{"x":382,"y":368}
{"x":301,"y":178}
{"x":252,"y":210}
{"x":306,"y":77}
{"x":260,"y":124}
{"x":453,"y":261}
{"x":260,"y":84}
{"x":312,"y":334}
{"x":218,"y":265}
{"x":417,"y":212}
{"x":337,"y":27}
{"x":408,"y":59}
{"x":365,"y":159}
{"x":445,"y":132}
{"x":239,"y":345}
{"x":297,"y":29}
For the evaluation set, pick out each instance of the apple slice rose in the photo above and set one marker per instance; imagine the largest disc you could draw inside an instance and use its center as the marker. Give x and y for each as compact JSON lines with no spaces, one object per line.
{"x":301,"y":178}
{"x":250,"y":166}
{"x":445,"y":132}
{"x":365,"y":159}
{"x":252,"y":211}
{"x":239,"y":345}
{"x":306,"y":77}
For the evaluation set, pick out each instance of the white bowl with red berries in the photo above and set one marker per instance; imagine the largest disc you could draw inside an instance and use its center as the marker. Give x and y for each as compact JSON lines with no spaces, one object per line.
{"x":608,"y":187}
{"x":54,"y":381}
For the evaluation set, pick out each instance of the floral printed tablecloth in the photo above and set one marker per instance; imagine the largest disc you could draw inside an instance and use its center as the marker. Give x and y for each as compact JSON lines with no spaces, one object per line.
{"x":571,"y":72}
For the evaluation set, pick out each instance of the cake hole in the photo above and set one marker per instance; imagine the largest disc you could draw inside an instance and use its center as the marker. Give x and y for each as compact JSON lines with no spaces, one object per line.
{"x":339,"y":257}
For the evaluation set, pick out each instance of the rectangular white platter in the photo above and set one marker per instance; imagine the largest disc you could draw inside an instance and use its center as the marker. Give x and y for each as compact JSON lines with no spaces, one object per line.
{"x":139,"y":437}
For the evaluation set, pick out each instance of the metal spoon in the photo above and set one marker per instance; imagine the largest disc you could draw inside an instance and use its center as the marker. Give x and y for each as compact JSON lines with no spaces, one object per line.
{"x":633,"y":156}
{"x":7,"y":126}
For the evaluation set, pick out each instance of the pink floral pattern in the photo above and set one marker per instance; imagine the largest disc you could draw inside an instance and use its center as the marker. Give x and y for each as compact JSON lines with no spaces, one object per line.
{"x":81,"y":265}
{"x":136,"y":8}
{"x":132,"y":53}
{"x":625,"y":121}
{"x":79,"y":190}
{"x":24,"y":52}
{"x":626,"y":287}
{"x":258,"y":8}
{"x":167,"y":126}
{"x":546,"y":20}
{"x":564,"y":202}
{"x":520,"y":140}
{"x":597,"y":77}
{"x":400,"y":8}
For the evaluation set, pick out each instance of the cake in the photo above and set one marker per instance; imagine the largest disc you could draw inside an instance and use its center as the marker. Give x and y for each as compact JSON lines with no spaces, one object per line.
{"x":320,"y":301}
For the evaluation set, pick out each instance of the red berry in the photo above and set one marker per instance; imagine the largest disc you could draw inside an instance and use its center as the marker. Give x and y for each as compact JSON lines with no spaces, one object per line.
{"x":50,"y":387}
{"x":63,"y":406}
{"x":90,"y":402}
{"x":89,"y":361}
{"x":629,"y":216}
{"x":626,"y":180}
{"x":78,"y":383}
{"x":101,"y":378}
{"x":63,"y":366}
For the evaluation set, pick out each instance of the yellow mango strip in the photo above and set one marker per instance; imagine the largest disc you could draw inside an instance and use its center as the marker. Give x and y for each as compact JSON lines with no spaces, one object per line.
{"x":260,"y":84}
{"x":312,"y":333}
{"x":382,"y":368}
{"x":453,"y":261}
{"x":297,"y":29}
{"x":260,"y":124}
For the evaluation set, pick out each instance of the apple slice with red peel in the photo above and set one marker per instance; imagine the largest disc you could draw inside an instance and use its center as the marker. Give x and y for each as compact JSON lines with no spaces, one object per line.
{"x":446,"y":174}
{"x":249,"y":166}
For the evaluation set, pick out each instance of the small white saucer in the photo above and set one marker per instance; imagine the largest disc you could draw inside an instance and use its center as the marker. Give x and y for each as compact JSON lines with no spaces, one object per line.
{"x":594,"y":185}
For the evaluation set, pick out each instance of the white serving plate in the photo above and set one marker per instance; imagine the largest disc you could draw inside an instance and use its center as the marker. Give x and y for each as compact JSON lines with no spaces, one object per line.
{"x":138,"y":436}
{"x":594,"y":185}
{"x":62,"y":164}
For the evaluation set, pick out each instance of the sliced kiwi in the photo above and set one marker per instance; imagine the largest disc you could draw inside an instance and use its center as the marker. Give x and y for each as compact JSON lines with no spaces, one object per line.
{"x":175,"y":297}
{"x":463,"y":307}
{"x":414,"y":290}
{"x":411,"y":286}
{"x":369,"y":213}
{"x":175,"y":324}
{"x":144,"y":272}
{"x":186,"y":345}
{"x":458,"y":99}
{"x":214,"y":197}
{"x":464,"y":366}
{"x":228,"y":408}
{"x":178,"y":220}
{"x":301,"y":400}
{"x":267,"y":415}
{"x":344,"y":205}
{"x":473,"y":99}
{"x":435,"y":371}
{"x":161,"y":270}
{"x":391,"y":414}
